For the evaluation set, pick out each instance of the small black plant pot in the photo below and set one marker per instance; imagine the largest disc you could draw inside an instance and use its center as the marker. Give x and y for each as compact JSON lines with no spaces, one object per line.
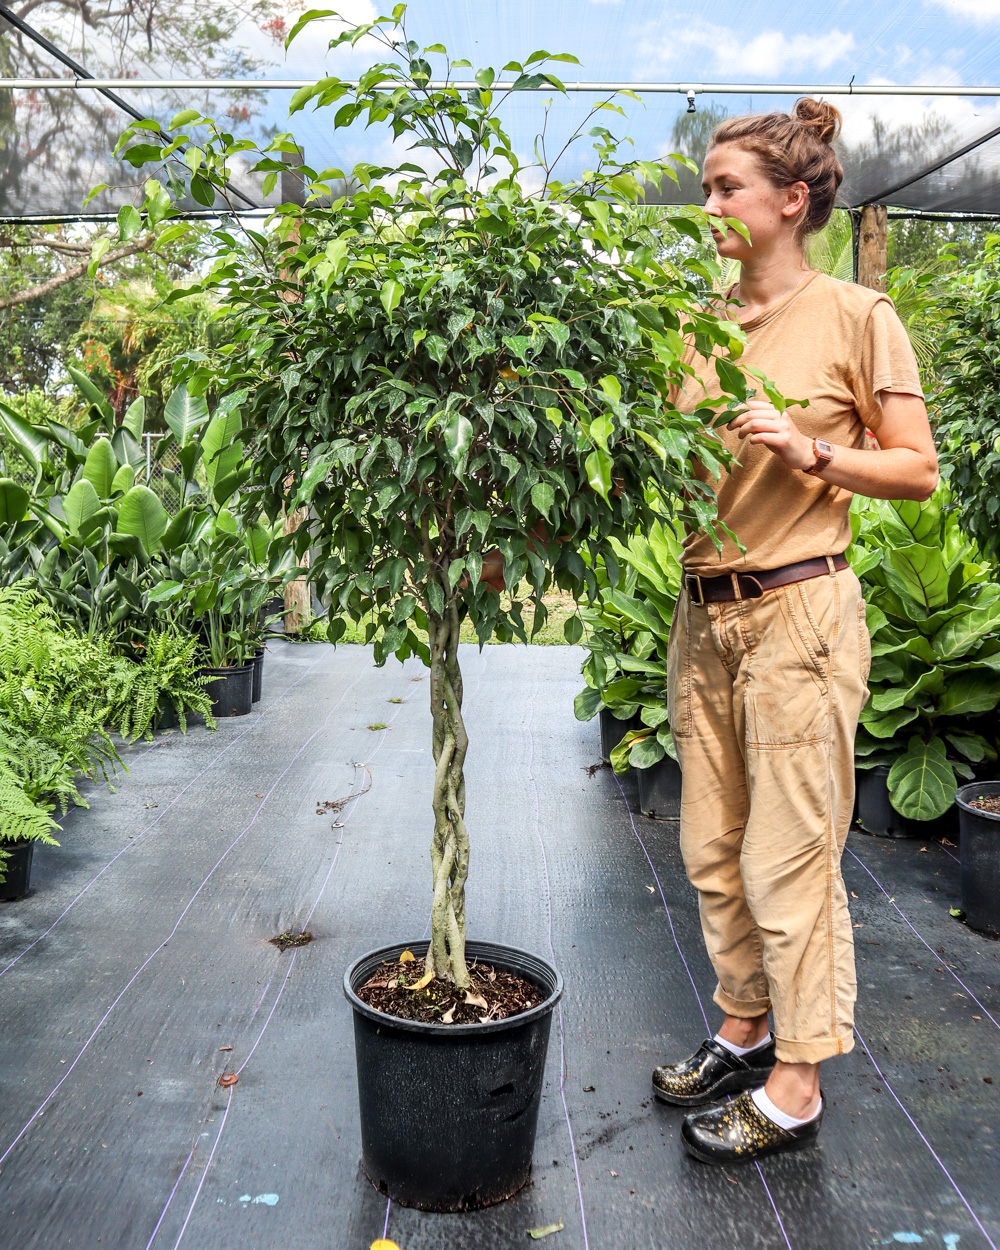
{"x":876,"y":815}
{"x":613,"y":730}
{"x":660,"y":790}
{"x":230,"y":689}
{"x":258,"y":675}
{"x":449,"y":1112}
{"x":166,"y":716}
{"x":980,"y":858}
{"x":17,"y":869}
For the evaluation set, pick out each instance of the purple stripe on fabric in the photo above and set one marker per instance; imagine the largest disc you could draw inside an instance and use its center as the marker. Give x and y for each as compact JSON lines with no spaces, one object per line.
{"x":934,"y":1154}
{"x":385,"y":1226}
{"x":197,"y":1192}
{"x":138,"y":838}
{"x":552,"y":955}
{"x":172,"y":1192}
{"x":708,"y":1027}
{"x":921,"y":938}
{"x":180,"y":918}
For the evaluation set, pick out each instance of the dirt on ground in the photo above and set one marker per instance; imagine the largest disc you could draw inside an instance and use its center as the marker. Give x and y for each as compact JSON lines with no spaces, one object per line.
{"x":493,"y":994}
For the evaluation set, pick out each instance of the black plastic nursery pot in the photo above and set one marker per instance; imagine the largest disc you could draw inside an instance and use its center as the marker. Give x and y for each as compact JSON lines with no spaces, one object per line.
{"x":449,"y":1112}
{"x":660,"y":790}
{"x":257,"y":684}
{"x":17,"y":869}
{"x":230,"y":689}
{"x":876,"y":815}
{"x":166,"y":716}
{"x":980,"y":834}
{"x":613,"y":730}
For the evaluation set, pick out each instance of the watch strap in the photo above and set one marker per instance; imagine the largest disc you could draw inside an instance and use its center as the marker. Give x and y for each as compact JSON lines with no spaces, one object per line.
{"x":823,"y":452}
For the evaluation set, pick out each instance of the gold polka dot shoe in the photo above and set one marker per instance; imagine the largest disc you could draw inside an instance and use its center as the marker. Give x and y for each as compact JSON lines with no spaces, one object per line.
{"x":711,"y":1073}
{"x":739,"y":1132}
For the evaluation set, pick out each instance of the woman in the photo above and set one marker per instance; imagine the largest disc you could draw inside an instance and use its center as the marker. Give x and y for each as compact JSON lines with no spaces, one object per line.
{"x":769,"y":655}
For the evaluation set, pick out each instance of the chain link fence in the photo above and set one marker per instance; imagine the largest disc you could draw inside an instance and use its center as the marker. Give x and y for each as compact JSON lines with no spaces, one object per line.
{"x":159,"y":470}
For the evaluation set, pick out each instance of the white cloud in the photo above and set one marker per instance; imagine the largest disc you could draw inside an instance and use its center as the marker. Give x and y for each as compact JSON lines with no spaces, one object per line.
{"x":978,"y":10}
{"x":768,"y":54}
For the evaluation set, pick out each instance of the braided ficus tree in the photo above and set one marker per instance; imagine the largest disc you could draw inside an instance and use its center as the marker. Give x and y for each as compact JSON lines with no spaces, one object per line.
{"x":464,"y":373}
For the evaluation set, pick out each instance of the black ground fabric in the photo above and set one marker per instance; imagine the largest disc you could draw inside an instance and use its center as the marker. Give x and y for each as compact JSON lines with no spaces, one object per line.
{"x":139,"y":971}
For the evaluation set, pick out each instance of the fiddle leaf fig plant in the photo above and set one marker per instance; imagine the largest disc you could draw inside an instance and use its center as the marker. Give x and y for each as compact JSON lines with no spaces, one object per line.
{"x":933,"y":612}
{"x":460,"y":370}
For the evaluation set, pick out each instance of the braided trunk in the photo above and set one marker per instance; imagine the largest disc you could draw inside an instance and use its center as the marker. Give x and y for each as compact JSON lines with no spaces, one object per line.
{"x":450,"y":847}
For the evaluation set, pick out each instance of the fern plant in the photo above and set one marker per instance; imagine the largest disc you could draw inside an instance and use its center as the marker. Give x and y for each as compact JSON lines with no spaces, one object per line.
{"x":168,"y":673}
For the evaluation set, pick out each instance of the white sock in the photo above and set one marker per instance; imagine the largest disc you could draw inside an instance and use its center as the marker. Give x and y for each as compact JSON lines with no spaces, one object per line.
{"x":740,"y":1051}
{"x":776,"y":1115}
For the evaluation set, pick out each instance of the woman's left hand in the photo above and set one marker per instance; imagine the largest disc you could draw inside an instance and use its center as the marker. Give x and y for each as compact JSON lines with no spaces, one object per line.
{"x":763,"y":423}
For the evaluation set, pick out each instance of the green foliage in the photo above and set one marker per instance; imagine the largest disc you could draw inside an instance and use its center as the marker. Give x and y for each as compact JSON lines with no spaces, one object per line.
{"x":629,"y":627}
{"x":968,"y":403}
{"x":167,"y":676}
{"x":934,"y":618}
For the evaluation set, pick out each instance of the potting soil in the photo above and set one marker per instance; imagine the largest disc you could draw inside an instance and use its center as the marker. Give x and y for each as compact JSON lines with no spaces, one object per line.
{"x":139,"y":971}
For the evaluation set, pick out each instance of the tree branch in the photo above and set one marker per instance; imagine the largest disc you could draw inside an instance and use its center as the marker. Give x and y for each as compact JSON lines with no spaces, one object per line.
{"x":31,"y":293}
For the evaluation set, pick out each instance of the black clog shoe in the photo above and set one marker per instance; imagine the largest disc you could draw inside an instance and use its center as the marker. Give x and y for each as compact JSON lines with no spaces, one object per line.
{"x":711,"y":1073}
{"x":739,"y":1132}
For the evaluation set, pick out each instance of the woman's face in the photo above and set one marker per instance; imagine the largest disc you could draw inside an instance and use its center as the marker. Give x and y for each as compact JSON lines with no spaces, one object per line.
{"x":736,"y":186}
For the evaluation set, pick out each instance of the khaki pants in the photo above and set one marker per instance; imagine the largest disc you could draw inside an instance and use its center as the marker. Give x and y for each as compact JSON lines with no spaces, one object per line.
{"x":765,"y":696}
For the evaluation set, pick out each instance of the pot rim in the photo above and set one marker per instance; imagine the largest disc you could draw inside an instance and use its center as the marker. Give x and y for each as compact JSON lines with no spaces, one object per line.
{"x":970,"y":789}
{"x":482,"y":950}
{"x":224,"y":672}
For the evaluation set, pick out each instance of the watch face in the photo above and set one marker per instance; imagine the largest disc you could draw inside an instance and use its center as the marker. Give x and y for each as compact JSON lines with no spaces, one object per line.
{"x":823,"y":446}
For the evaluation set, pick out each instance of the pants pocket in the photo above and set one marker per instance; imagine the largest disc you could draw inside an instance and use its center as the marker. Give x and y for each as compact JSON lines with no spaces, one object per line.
{"x":679,"y":677}
{"x":864,"y":642}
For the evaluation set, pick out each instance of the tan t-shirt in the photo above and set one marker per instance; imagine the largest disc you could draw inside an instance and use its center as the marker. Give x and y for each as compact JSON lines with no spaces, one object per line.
{"x":837,"y":345}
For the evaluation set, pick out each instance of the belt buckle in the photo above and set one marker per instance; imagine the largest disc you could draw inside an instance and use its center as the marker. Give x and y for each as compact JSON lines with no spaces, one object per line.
{"x":694,"y":578}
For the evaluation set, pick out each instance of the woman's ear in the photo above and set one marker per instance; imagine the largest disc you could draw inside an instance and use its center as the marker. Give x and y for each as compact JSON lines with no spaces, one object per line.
{"x":796,"y":199}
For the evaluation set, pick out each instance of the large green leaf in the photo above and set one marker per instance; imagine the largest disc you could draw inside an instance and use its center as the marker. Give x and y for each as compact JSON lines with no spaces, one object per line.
{"x":886,"y":724}
{"x":92,"y":393}
{"x":587,"y":703}
{"x":222,"y":450}
{"x":141,"y":515}
{"x":13,"y":502}
{"x":970,"y":693}
{"x":128,"y":449}
{"x":922,"y":782}
{"x":32,"y":445}
{"x":185,"y":414}
{"x":80,"y":504}
{"x":923,"y":572}
{"x":100,"y":467}
{"x":135,"y":417}
{"x":963,"y":633}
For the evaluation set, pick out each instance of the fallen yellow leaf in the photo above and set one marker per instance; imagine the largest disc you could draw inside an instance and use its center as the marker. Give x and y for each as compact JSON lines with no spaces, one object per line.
{"x":538,"y":1233}
{"x":424,"y":981}
{"x":476,"y":1000}
{"x":508,"y":374}
{"x":384,"y":1243}
{"x":407,"y":957}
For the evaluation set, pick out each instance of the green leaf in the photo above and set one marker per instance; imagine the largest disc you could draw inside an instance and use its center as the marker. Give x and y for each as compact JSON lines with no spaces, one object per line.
{"x":97,"y":251}
{"x":80,"y":503}
{"x":922,"y":782}
{"x":970,"y":693}
{"x":598,"y":467}
{"x":123,"y":481}
{"x":222,"y":450}
{"x":390,"y":295}
{"x":13,"y":502}
{"x":646,"y":752}
{"x":32,"y":445}
{"x":129,"y":223}
{"x":141,"y":515}
{"x":91,"y":393}
{"x":135,"y":416}
{"x":963,"y":633}
{"x":185,"y":414}
{"x":573,"y":629}
{"x":543,"y":496}
{"x":923,"y":573}
{"x":458,"y":437}
{"x":587,"y":704}
{"x":100,"y":467}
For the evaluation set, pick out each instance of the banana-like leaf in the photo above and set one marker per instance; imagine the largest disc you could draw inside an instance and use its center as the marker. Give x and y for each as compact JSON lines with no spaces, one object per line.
{"x":922,"y":782}
{"x":135,"y":417}
{"x":13,"y":502}
{"x":128,"y":449}
{"x":92,"y":394}
{"x":141,"y":515}
{"x":100,"y":468}
{"x":80,"y":504}
{"x":32,"y":445}
{"x":185,"y":414}
{"x":124,"y":480}
{"x":221,"y":448}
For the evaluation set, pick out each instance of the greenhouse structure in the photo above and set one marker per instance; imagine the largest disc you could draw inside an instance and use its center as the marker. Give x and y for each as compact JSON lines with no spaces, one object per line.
{"x":341,"y":367}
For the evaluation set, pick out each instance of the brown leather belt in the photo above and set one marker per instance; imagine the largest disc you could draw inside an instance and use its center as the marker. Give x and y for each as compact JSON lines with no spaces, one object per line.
{"x":752,"y":585}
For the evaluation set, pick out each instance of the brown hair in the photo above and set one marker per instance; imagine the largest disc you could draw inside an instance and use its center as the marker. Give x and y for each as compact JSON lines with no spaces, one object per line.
{"x":794,"y":148}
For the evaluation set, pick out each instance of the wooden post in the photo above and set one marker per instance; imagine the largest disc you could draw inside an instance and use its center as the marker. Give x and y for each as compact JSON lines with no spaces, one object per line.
{"x":298,"y":609}
{"x":873,"y":247}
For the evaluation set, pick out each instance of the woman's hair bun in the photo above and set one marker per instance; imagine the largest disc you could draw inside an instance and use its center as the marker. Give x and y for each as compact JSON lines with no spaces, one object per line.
{"x":821,"y":118}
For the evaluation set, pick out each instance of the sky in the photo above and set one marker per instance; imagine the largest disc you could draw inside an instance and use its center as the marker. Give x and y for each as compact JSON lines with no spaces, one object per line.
{"x":925,"y":42}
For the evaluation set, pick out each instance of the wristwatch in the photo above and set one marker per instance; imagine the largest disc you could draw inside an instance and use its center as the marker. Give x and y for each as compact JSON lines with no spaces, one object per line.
{"x":824,"y":454}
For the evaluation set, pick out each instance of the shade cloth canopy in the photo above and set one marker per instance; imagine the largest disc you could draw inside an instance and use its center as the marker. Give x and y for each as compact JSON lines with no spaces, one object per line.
{"x":55,"y":144}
